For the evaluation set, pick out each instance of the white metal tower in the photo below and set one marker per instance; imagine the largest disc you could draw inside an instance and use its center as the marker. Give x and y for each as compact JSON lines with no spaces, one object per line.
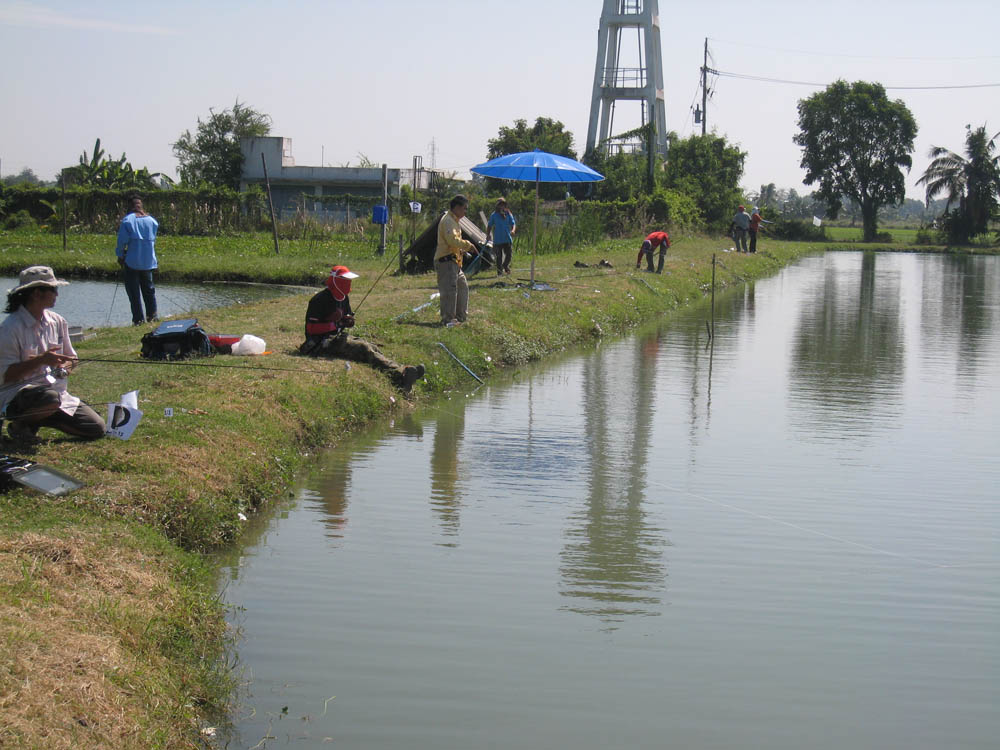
{"x":618,"y":78}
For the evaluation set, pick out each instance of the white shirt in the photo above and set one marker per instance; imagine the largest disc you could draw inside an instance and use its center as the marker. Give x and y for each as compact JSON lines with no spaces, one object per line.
{"x":23,"y":336}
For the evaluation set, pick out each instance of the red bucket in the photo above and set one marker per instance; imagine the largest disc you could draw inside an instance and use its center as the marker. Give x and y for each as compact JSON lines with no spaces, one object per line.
{"x":223,"y":339}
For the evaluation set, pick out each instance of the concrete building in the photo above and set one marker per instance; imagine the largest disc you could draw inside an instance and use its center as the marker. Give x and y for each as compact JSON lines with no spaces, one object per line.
{"x":289,"y":182}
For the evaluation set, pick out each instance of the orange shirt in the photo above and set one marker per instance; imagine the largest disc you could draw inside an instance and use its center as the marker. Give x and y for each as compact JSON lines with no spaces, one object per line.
{"x":657,"y":238}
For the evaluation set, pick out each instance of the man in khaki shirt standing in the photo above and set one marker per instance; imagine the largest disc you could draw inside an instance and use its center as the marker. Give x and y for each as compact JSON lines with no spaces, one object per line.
{"x":451,"y":280}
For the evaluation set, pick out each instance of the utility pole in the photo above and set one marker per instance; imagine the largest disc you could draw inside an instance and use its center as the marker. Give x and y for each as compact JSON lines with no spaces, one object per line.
{"x":385,"y":202}
{"x":418,"y":165}
{"x":704,"y":89}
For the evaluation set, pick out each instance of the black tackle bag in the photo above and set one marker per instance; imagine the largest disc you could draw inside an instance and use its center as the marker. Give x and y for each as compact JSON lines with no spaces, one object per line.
{"x":176,"y":339}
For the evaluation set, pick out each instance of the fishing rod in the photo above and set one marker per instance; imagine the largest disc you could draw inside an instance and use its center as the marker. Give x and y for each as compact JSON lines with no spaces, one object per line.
{"x":174,"y":363}
{"x":114,"y":297}
{"x":391,"y":260}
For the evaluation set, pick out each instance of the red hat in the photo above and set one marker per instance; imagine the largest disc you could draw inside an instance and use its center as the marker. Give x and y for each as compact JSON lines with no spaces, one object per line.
{"x":742,"y":208}
{"x":339,"y":281}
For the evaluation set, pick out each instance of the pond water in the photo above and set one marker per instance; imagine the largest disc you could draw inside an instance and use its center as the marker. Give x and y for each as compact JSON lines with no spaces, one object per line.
{"x":95,"y":304}
{"x":787,"y":539}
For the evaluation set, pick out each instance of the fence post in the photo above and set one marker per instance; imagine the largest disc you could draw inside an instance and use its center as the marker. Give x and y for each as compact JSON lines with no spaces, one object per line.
{"x":267,"y":184}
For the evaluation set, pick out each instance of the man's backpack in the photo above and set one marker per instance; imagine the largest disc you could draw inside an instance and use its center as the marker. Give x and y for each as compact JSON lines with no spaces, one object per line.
{"x":176,"y":339}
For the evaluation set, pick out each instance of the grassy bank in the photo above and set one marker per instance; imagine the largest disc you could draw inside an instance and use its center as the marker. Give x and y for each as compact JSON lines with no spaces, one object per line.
{"x":111,"y":634}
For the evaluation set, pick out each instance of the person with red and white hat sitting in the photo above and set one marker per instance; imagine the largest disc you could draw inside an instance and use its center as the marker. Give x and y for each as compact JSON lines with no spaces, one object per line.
{"x":328,"y":317}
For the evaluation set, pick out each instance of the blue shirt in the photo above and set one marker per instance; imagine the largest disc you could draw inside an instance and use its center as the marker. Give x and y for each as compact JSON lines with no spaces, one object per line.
{"x":137,"y":242}
{"x":502,"y":226}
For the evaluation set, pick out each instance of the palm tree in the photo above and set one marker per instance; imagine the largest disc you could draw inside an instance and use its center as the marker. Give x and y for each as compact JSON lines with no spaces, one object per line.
{"x":971,"y":182}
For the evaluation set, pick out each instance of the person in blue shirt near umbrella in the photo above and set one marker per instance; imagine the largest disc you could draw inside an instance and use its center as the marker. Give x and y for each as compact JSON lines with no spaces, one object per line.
{"x":136,"y":253}
{"x":503,"y":227}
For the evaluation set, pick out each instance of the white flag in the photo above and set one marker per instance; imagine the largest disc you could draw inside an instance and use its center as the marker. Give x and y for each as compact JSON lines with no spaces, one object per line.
{"x":122,"y":421}
{"x":817,"y":222}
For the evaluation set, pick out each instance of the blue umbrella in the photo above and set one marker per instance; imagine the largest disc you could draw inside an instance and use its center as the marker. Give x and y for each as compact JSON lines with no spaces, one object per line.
{"x":536,"y":166}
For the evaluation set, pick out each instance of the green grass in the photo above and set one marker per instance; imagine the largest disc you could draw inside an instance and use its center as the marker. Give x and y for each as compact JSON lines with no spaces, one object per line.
{"x":854,"y":234}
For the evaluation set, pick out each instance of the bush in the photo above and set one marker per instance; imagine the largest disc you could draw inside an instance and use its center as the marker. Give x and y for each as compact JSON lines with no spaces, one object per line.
{"x":884,"y":237}
{"x":983,"y":240}
{"x":677,"y":210}
{"x":21,"y":220}
{"x":926,"y":236}
{"x":796,"y":229}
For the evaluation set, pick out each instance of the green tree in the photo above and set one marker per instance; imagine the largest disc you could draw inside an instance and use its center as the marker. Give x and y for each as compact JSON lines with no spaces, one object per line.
{"x":708,"y":169}
{"x":26,"y":176}
{"x":97,"y":170}
{"x":855,"y":142}
{"x":625,"y":175}
{"x":212,"y":154}
{"x":547,"y":135}
{"x":971,"y":182}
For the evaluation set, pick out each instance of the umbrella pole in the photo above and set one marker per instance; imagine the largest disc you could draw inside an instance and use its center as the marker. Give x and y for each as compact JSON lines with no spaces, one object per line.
{"x":534,"y":233}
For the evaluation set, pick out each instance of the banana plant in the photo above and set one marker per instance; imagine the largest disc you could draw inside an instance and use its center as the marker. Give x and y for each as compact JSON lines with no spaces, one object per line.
{"x":96,"y":170}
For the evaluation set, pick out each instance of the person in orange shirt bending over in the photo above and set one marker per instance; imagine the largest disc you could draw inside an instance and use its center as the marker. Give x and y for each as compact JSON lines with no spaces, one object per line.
{"x":661,"y":239}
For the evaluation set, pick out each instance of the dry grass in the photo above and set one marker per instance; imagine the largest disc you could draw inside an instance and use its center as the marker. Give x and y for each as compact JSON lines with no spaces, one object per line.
{"x":76,"y":614}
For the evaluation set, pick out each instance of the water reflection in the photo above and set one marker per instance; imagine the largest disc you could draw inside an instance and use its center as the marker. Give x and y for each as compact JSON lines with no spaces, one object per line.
{"x":332,"y":487}
{"x":447,"y":443}
{"x":959,"y":296}
{"x":611,"y":562}
{"x":848,"y":354}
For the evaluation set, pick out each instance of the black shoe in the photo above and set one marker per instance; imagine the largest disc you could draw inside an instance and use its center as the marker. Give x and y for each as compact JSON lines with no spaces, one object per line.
{"x":411,"y":375}
{"x":23,"y":433}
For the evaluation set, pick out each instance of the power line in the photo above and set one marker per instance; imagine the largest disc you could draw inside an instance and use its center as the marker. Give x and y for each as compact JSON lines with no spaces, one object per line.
{"x":814,"y":53}
{"x":764,"y":79}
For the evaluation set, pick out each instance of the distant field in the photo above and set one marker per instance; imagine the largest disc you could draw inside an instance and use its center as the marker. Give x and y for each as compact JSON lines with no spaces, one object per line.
{"x":853,"y":234}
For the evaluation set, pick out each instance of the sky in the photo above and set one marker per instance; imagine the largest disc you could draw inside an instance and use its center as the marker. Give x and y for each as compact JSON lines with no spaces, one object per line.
{"x":389,"y":79}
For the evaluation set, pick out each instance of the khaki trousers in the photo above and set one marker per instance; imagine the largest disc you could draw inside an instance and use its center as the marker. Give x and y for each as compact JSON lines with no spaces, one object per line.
{"x":454,"y":291}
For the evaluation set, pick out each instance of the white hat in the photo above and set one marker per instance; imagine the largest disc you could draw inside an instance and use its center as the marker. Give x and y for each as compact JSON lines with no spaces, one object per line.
{"x":342,"y":272}
{"x":37,"y":276}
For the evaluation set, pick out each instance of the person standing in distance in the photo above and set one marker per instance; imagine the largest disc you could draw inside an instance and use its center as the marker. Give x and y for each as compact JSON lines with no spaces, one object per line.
{"x":451,"y":280}
{"x":136,"y":253}
{"x":739,"y":227}
{"x":756,"y":222}
{"x":503,"y":226}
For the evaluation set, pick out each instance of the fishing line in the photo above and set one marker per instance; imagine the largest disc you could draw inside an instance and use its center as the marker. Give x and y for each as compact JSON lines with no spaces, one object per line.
{"x":391,"y":260}
{"x":113,"y":298}
{"x":798,"y":527}
{"x":199,"y":364}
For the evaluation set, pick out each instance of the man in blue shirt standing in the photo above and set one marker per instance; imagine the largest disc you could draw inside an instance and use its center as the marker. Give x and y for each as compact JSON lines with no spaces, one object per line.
{"x":136,"y":253}
{"x":501,"y":223}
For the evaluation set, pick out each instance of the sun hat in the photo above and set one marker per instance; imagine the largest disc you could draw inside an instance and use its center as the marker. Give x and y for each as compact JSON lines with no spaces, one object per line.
{"x":342,"y":272}
{"x":37,"y":276}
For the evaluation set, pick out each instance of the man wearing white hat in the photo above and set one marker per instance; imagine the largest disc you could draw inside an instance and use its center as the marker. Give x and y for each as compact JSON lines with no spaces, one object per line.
{"x":36,"y":355}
